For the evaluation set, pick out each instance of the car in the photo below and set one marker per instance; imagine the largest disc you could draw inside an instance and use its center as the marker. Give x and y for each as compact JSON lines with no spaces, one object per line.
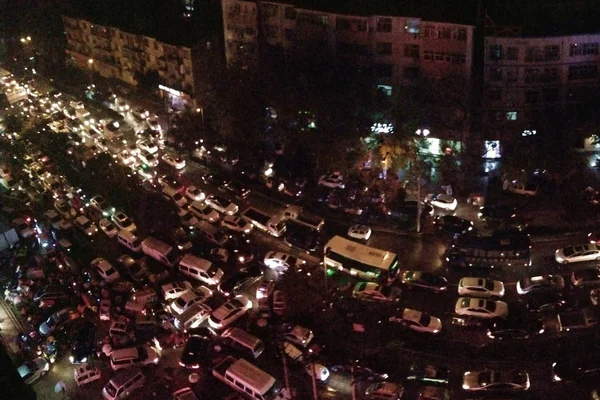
{"x":451,"y":224}
{"x":122,"y":221}
{"x":202,"y":211}
{"x":418,"y":321}
{"x":237,"y":224}
{"x":172,"y":182}
{"x":104,"y":310}
{"x":424,"y":280}
{"x":176,"y":162}
{"x":578,"y":253}
{"x":511,"y":330}
{"x":481,"y":308}
{"x":580,"y":370}
{"x":108,"y":228}
{"x":229,"y":312}
{"x":546,"y":302}
{"x":56,"y":221}
{"x":540,"y":284}
{"x":195,"y":351}
{"x":153,"y":123}
{"x":442,"y":201}
{"x":318,"y":371}
{"x":23,"y":229}
{"x":281,"y":262}
{"x":189,"y":298}
{"x":86,"y":226}
{"x":359,"y":232}
{"x":105,"y":269}
{"x":299,"y":335}
{"x":495,"y":381}
{"x":243,"y":277}
{"x":173,"y":290}
{"x":121,"y":104}
{"x":520,"y":188}
{"x":148,"y":159}
{"x":371,"y":291}
{"x":497,"y":212}
{"x":140,"y":113}
{"x":194,"y":194}
{"x":333,"y":180}
{"x":64,"y":209}
{"x":56,"y":321}
{"x":85,"y":373}
{"x":222,"y":205}
{"x":301,"y":238}
{"x":219,"y":181}
{"x":187,"y":218}
{"x":238,"y":189}
{"x":185,"y":393}
{"x":33,"y":370}
{"x":480,"y":287}
{"x":133,"y":267}
{"x":585,"y":277}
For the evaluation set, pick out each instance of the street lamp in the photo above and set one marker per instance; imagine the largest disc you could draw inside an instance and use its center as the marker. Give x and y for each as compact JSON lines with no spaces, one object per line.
{"x":201,"y":111}
{"x":91,"y":66}
{"x":423,"y":133}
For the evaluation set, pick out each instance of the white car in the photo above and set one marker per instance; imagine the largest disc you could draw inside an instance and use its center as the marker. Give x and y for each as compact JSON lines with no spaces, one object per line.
{"x":140,"y":113}
{"x":56,"y":221}
{"x":64,"y":209}
{"x":372,"y":291}
{"x":86,"y":226}
{"x":102,"y":205}
{"x":33,"y":370}
{"x":121,"y":104}
{"x":320,"y":372}
{"x":333,"y":180}
{"x":85,"y":374}
{"x":493,"y":380}
{"x":281,"y":262}
{"x":480,"y":287}
{"x":299,"y":335}
{"x":108,"y":228}
{"x":229,"y":312}
{"x":122,"y":221}
{"x":187,"y":218}
{"x":189,"y":298}
{"x":578,"y":253}
{"x":146,"y":145}
{"x":442,"y":201}
{"x":418,"y":321}
{"x":540,"y":284}
{"x":23,"y":229}
{"x":222,"y":205}
{"x":105,"y":269}
{"x":359,"y":232}
{"x":127,"y":158}
{"x":194,"y":194}
{"x":203,"y":211}
{"x":148,"y":159}
{"x":237,"y":224}
{"x":481,"y":308}
{"x":104,"y":310}
{"x":173,"y":161}
{"x":153,"y":123}
{"x":174,"y":290}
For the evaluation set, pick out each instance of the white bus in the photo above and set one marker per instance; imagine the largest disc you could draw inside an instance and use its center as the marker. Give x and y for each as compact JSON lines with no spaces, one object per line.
{"x":248,"y":379}
{"x":357,"y":259}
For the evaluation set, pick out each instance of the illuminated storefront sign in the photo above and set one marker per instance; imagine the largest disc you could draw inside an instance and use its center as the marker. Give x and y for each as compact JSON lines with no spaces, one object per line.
{"x":492,"y":149}
{"x":170,"y":91}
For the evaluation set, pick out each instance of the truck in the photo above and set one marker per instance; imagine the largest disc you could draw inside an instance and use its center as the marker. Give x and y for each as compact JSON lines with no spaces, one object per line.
{"x":160,"y":251}
{"x":296,"y":214}
{"x":573,"y":320}
{"x":274,"y":225}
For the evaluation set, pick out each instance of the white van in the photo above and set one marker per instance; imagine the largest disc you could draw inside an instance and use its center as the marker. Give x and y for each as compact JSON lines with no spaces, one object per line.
{"x":248,"y":379}
{"x":211,"y":233}
{"x":123,"y":384}
{"x":129,"y":240}
{"x":240,"y":340}
{"x":133,"y":356}
{"x":171,"y":194}
{"x":200,"y":269}
{"x":193,"y":317}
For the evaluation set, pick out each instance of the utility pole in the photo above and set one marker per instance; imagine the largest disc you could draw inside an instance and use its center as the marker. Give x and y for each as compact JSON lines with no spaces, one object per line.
{"x":419,"y":207}
{"x":314,"y":382}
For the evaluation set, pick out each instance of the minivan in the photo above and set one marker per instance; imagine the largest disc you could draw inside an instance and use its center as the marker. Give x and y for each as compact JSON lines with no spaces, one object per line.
{"x":123,"y":384}
{"x":211,"y":233}
{"x":240,"y":340}
{"x":133,"y":356}
{"x":129,"y":240}
{"x":171,"y":194}
{"x":200,"y":269}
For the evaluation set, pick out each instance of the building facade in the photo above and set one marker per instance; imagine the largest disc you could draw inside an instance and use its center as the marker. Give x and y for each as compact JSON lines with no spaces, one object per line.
{"x":529,"y":80}
{"x":117,"y":54}
{"x":396,"y":50}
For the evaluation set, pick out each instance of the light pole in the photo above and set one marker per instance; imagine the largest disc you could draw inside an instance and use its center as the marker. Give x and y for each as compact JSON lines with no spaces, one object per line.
{"x":201,"y":111}
{"x":91,"y":66}
{"x":423,"y":133}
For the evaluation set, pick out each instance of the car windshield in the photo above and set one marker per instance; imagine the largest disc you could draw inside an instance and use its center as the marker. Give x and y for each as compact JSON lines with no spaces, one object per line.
{"x":489,"y":285}
{"x":86,"y":224}
{"x":111,"y":390}
{"x":110,"y":227}
{"x":569,"y":251}
{"x":425,"y":320}
{"x":126,"y":222}
{"x":235,"y":303}
{"x":212,"y":270}
{"x":490,"y":306}
{"x":135,"y":268}
{"x":110,"y":271}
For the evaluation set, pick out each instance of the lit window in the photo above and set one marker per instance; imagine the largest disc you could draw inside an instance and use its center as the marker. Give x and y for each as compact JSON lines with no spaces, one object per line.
{"x":511,"y":115}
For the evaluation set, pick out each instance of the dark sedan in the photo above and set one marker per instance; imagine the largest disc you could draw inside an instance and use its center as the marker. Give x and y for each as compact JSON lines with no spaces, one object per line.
{"x":451,"y":224}
{"x":304,"y":239}
{"x":512,"y":330}
{"x":240,"y":279}
{"x":84,"y":345}
{"x":584,"y":370}
{"x":424,"y":280}
{"x":195,"y":351}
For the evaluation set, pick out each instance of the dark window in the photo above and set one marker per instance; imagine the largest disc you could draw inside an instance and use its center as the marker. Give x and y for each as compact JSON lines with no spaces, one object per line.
{"x":551,"y":53}
{"x":577,"y":72}
{"x":384,"y":70}
{"x":411,"y":50}
{"x":290,"y":13}
{"x":343,"y":24}
{"x":384,"y":25}
{"x":512,"y":53}
{"x":411,"y":72}
{"x":495,"y":52}
{"x":531,"y":75}
{"x":495,"y":95}
{"x":550,"y":94}
{"x":532,"y":97}
{"x":384,"y":48}
{"x":289,"y":34}
{"x":496,"y":74}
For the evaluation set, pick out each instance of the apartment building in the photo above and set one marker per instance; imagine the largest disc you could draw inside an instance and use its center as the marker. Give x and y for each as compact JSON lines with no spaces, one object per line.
{"x":396,"y":50}
{"x":526,"y":80}
{"x":114,"y":53}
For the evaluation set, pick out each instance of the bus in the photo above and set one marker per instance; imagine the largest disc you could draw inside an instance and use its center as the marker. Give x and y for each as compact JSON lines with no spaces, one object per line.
{"x":248,"y":379}
{"x":359,"y":260}
{"x":501,"y":250}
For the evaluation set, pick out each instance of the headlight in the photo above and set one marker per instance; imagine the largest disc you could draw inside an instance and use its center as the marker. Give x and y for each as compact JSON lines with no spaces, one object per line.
{"x":465,"y":386}
{"x":71,"y":358}
{"x":84,"y":359}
